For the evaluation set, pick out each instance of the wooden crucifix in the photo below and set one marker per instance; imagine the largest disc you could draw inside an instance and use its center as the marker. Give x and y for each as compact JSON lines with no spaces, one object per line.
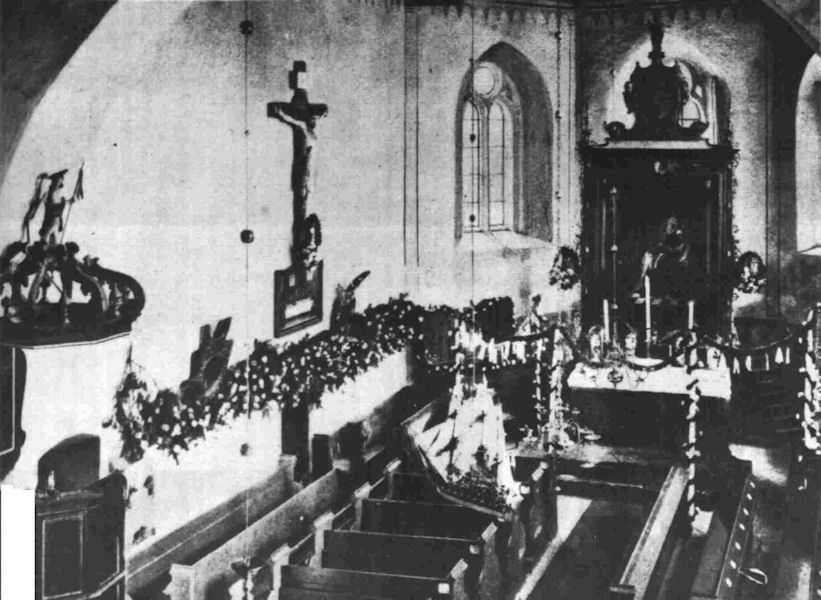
{"x":302,"y":116}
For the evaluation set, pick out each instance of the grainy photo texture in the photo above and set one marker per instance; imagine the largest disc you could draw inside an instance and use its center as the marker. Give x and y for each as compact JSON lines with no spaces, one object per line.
{"x":410,"y":299}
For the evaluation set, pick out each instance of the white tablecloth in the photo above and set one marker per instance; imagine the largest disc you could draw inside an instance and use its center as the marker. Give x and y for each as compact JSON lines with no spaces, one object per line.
{"x":714,"y":383}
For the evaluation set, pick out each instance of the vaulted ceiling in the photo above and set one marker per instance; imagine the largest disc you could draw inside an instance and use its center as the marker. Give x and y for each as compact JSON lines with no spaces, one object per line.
{"x":40,"y":36}
{"x":38,"y":39}
{"x":803,"y":16}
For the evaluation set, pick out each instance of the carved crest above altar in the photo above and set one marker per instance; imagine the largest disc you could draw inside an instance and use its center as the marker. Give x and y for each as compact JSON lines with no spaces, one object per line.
{"x":656,"y":96}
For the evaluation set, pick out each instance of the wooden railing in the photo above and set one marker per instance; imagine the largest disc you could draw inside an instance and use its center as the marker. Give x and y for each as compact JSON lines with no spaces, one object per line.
{"x":656,"y":541}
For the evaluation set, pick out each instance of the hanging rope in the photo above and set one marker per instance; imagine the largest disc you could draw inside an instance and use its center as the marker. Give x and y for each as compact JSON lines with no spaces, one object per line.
{"x":558,"y":118}
{"x":477,"y":137}
{"x":570,"y":57}
{"x":246,"y":28}
{"x":612,"y":57}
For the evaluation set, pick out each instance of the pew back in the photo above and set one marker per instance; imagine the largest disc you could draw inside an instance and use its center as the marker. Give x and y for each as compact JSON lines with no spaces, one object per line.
{"x":421,"y":556}
{"x":384,"y":553}
{"x":363,"y":584}
{"x":203,"y":534}
{"x":211,"y":575}
{"x":421,"y":518}
{"x":411,"y":487}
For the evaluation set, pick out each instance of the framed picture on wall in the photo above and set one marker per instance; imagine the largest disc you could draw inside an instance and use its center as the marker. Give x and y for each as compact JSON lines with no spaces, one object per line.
{"x":297,"y":298}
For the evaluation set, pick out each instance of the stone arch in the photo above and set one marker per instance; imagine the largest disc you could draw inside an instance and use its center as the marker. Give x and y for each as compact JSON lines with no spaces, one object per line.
{"x":75,"y":462}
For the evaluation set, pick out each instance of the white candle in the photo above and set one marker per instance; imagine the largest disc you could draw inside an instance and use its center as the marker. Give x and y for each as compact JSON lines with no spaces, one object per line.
{"x":690,"y":311}
{"x":647,"y":323}
{"x":606,"y":335}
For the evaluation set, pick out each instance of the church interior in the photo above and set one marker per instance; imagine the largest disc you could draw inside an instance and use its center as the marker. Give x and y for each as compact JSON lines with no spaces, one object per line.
{"x":312,"y":298}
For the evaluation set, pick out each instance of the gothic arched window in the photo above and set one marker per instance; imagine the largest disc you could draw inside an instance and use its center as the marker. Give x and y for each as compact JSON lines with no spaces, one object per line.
{"x":489,"y":156}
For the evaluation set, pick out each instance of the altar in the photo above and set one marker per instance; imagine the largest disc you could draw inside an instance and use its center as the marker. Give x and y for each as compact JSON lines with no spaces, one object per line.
{"x":648,"y":409}
{"x":657,"y":204}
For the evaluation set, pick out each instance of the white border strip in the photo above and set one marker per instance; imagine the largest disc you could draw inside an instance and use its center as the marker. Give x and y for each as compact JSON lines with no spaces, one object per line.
{"x":16,"y":543}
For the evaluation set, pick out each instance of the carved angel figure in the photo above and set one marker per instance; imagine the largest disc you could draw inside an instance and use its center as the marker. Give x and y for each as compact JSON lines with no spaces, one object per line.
{"x":53,"y":203}
{"x":345,"y":305}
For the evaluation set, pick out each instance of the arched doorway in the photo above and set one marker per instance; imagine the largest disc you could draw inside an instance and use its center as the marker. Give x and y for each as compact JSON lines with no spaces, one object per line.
{"x":71,"y":465}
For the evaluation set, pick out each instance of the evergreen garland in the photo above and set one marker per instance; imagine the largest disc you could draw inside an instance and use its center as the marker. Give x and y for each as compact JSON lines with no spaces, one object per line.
{"x":173,"y":420}
{"x":566,"y":269}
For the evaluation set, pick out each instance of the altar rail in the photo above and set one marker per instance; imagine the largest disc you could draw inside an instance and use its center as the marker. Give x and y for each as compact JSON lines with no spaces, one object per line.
{"x":650,"y":557}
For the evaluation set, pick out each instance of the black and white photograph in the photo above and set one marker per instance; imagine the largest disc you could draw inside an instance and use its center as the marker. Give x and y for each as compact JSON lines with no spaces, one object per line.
{"x":410,"y":299}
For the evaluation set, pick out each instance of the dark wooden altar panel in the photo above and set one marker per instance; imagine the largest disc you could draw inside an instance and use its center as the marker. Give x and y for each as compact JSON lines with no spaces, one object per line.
{"x":643,"y":419}
{"x":630,"y":190}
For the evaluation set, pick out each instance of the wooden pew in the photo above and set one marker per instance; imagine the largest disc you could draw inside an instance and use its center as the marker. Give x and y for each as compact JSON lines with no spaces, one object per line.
{"x":421,"y":518}
{"x":210,"y":575}
{"x":304,"y":583}
{"x":411,"y":487}
{"x":519,"y":541}
{"x":191,"y":542}
{"x":727,"y":545}
{"x":401,"y":555}
{"x":648,"y":562}
{"x":443,"y":521}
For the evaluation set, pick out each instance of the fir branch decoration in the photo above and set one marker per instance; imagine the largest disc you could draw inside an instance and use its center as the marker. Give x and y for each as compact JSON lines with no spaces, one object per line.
{"x":174,"y":420}
{"x":566,"y":268}
{"x":751,"y":273}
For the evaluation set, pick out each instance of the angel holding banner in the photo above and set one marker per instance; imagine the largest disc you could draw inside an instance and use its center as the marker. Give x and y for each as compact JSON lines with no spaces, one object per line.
{"x":54,"y":204}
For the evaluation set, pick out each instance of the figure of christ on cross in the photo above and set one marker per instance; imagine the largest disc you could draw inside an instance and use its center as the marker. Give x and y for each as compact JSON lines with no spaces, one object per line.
{"x":302,"y":116}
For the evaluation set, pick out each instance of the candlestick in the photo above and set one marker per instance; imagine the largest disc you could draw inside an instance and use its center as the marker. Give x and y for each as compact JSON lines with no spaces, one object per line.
{"x":690,"y":312}
{"x":606,"y":336}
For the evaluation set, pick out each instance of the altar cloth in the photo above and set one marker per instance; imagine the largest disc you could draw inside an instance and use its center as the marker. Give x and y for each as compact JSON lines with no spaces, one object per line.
{"x":714,"y":383}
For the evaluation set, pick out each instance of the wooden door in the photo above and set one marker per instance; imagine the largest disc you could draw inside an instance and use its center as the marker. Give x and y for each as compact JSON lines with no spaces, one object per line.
{"x":79,"y":542}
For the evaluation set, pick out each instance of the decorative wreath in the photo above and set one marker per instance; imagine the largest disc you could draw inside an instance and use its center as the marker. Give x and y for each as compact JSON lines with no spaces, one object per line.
{"x":565,"y":269}
{"x":751,"y":273}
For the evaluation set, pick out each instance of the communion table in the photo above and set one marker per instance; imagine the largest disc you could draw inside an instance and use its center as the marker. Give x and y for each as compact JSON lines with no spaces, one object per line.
{"x":648,"y":409}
